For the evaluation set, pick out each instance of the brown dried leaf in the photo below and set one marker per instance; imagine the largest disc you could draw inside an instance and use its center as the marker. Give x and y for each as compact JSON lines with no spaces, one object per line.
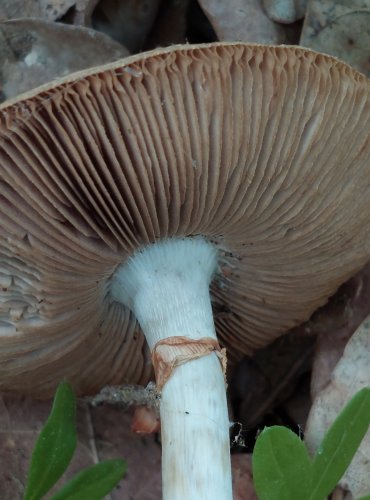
{"x":350,"y":375}
{"x":339,"y":28}
{"x":33,"y":52}
{"x":335,"y":324}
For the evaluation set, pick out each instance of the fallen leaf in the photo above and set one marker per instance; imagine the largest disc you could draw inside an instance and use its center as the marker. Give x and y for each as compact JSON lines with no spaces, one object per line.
{"x":49,"y":10}
{"x":335,"y":323}
{"x":285,"y":11}
{"x":33,"y":52}
{"x":341,"y":29}
{"x":242,"y":20}
{"x":350,"y":375}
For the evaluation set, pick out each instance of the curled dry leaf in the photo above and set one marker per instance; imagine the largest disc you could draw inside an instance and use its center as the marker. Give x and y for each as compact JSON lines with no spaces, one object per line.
{"x":33,"y":52}
{"x":242,"y":20}
{"x":350,"y":375}
{"x":340,"y":29}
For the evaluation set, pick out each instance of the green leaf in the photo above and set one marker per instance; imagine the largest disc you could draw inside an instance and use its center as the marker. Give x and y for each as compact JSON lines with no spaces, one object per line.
{"x":93,"y":483}
{"x":366,"y":497}
{"x":55,"y":446}
{"x":283,"y":469}
{"x":340,"y":444}
{"x":281,"y":466}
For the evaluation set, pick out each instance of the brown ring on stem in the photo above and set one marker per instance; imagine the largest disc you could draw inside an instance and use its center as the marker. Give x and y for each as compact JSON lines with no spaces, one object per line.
{"x":171,"y":352}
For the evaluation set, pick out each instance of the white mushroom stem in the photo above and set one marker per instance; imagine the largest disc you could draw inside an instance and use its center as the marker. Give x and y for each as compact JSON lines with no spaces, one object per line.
{"x":167,"y":287}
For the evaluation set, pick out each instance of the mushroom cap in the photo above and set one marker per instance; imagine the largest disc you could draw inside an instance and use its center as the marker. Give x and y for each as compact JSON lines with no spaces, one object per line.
{"x":265,"y":151}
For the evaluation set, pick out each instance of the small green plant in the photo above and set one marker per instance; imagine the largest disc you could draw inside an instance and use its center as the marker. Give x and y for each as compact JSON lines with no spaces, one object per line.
{"x":54,"y":450}
{"x":283,"y":469}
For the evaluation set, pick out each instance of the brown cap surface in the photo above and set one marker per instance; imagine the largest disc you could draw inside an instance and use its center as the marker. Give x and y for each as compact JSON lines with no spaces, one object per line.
{"x":263,"y":150}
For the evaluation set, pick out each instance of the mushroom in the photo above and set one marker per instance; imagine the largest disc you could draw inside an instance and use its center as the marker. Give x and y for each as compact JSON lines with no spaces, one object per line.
{"x":128,"y":190}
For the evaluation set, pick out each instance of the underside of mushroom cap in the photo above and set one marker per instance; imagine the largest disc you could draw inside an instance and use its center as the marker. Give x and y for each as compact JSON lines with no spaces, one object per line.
{"x":264,"y":151}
